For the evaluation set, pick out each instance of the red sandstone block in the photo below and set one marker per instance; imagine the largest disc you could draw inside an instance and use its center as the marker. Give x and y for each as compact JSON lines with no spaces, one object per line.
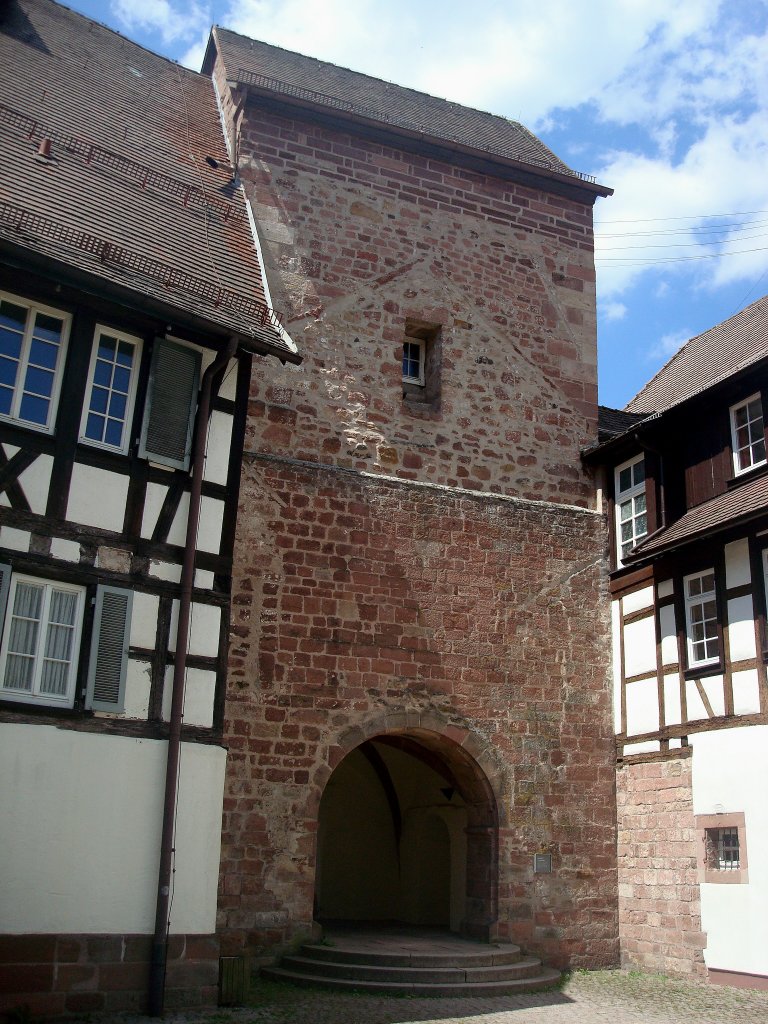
{"x":26,"y":978}
{"x":85,"y":1002}
{"x":19,"y":949}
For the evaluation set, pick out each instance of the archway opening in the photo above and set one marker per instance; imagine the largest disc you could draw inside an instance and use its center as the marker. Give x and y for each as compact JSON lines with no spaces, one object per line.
{"x":407,"y":833}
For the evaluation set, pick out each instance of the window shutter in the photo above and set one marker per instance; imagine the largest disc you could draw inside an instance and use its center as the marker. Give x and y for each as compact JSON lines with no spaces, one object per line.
{"x":109,"y":649}
{"x":174,"y":377}
{"x":5,"y":582}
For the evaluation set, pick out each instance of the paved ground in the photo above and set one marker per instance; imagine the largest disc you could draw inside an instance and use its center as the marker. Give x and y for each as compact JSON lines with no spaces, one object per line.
{"x":600,"y":997}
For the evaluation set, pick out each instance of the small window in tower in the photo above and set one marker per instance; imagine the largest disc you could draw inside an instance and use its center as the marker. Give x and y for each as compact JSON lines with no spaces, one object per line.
{"x":421,"y":365}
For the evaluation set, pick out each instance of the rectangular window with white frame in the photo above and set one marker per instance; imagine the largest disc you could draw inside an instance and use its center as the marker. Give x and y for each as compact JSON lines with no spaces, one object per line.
{"x":701,"y":619}
{"x":33,"y":343}
{"x":631,"y":507}
{"x":40,"y":627}
{"x":748,"y":434}
{"x":111,"y":393}
{"x":41,"y":641}
{"x":414,"y":360}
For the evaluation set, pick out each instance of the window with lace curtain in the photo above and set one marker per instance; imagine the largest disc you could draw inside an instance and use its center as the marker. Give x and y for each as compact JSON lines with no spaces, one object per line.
{"x":41,"y":641}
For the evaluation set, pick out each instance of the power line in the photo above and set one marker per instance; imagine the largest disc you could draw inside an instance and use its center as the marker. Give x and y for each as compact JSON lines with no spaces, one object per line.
{"x":700,"y":216}
{"x":634,"y":261}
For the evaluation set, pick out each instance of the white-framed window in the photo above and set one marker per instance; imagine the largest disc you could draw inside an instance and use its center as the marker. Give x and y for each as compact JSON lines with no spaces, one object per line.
{"x":41,"y":641}
{"x":414,"y":360}
{"x":111,"y":392}
{"x":40,"y":629}
{"x":748,"y":434}
{"x":33,"y":343}
{"x":701,"y":618}
{"x":631,"y":508}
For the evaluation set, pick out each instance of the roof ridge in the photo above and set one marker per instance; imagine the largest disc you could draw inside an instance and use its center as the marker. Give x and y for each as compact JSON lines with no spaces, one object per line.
{"x":382,"y":81}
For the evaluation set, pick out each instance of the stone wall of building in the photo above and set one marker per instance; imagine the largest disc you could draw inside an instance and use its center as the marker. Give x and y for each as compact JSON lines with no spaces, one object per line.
{"x":365,"y":605}
{"x":659,"y":901}
{"x":420,"y":562}
{"x":362,"y":241}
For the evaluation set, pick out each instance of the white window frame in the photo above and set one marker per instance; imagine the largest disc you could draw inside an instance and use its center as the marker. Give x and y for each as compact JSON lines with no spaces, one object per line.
{"x":622,"y":497}
{"x":694,"y":601}
{"x":755,"y":438}
{"x":421,"y":344}
{"x":33,"y":309}
{"x":129,"y":339}
{"x":34,"y":696}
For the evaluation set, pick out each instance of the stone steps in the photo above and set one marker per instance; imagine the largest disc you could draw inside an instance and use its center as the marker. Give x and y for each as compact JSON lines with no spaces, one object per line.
{"x":470,"y":969}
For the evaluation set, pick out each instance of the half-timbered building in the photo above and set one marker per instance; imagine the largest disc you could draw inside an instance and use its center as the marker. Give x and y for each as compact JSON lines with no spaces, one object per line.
{"x":132,"y":305}
{"x":687,"y":486}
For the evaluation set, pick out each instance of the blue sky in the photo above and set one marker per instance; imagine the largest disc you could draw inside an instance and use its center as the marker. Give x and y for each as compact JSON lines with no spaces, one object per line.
{"x":666,"y":101}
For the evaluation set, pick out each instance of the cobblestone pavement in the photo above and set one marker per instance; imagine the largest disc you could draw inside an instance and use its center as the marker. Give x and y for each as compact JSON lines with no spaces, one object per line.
{"x":600,"y":997}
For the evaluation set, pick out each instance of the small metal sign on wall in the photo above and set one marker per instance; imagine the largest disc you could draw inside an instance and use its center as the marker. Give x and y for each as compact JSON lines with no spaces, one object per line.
{"x":542,"y":863}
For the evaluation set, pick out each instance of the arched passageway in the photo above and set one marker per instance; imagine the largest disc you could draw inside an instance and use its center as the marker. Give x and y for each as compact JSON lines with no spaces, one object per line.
{"x":408,"y":832}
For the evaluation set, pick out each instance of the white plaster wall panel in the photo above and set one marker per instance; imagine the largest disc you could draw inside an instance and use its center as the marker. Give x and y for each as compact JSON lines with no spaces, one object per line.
{"x":638,"y":600}
{"x":97,"y":498}
{"x":675,"y":743}
{"x":209,"y":528}
{"x":228,"y":387}
{"x":204,"y":626}
{"x":713,"y":690}
{"x":737,"y":572}
{"x":169,"y":571}
{"x":741,"y":628}
{"x":642,"y":706}
{"x":646,"y":747}
{"x":66,"y":550}
{"x":746,"y":692}
{"x":199,"y":691}
{"x":673,"y":714}
{"x":217,"y":445}
{"x":729,"y":771}
{"x":153,"y":502}
{"x":640,"y":646}
{"x":4,"y":500}
{"x":81,"y":817}
{"x":666,"y":588}
{"x":36,"y":483}
{"x":15,"y":540}
{"x":10,"y":450}
{"x":204,"y":579}
{"x":669,"y":653}
{"x":616,"y":649}
{"x":138,"y":681}
{"x":146,"y":608}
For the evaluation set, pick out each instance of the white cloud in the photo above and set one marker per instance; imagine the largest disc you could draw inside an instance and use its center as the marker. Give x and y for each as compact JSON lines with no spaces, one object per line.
{"x":667,"y":345}
{"x":613,"y":311}
{"x":172,"y":22}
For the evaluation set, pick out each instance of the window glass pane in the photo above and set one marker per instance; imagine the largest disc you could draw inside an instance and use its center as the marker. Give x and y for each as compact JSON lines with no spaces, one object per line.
{"x":12,"y":316}
{"x":638,"y":472}
{"x":34,"y":410}
{"x":102,"y":373}
{"x":99,"y":400}
{"x":38,"y":382}
{"x":43,"y":354}
{"x":625,"y":479}
{"x":8,"y":370}
{"x":107,"y":347}
{"x":117,"y":405}
{"x":121,"y":379}
{"x":114,"y":433}
{"x":47,"y":327}
{"x":125,"y":353}
{"x":10,"y":343}
{"x":640,"y":503}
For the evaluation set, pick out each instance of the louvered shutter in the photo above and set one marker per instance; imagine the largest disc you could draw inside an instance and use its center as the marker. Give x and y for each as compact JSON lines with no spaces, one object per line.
{"x":109,"y":649}
{"x":5,"y":582}
{"x":174,"y":378}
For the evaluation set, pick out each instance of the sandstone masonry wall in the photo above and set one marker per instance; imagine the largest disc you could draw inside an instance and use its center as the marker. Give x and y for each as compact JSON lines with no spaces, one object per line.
{"x":363,"y":605}
{"x":659,"y":901}
{"x":412,"y":562}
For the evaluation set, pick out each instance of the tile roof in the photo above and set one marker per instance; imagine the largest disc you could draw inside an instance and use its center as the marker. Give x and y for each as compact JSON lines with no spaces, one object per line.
{"x":139,"y":192}
{"x":297,"y":77}
{"x":744,"y":501}
{"x":708,"y":359}
{"x":613,"y":422}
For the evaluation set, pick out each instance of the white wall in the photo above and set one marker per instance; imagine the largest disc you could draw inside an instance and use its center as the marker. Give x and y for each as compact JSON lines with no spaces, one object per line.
{"x":730,"y":767}
{"x":81,"y":818}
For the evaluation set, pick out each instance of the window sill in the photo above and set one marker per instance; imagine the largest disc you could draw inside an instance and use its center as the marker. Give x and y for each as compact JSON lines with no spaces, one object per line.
{"x":711,"y":876}
{"x":748,"y":474}
{"x":702,"y":671}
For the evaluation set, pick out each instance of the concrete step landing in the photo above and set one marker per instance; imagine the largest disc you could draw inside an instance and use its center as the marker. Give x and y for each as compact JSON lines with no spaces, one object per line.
{"x":411,"y":962}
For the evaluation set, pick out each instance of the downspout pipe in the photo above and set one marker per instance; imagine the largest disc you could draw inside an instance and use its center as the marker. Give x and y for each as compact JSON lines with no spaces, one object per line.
{"x":160,"y":940}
